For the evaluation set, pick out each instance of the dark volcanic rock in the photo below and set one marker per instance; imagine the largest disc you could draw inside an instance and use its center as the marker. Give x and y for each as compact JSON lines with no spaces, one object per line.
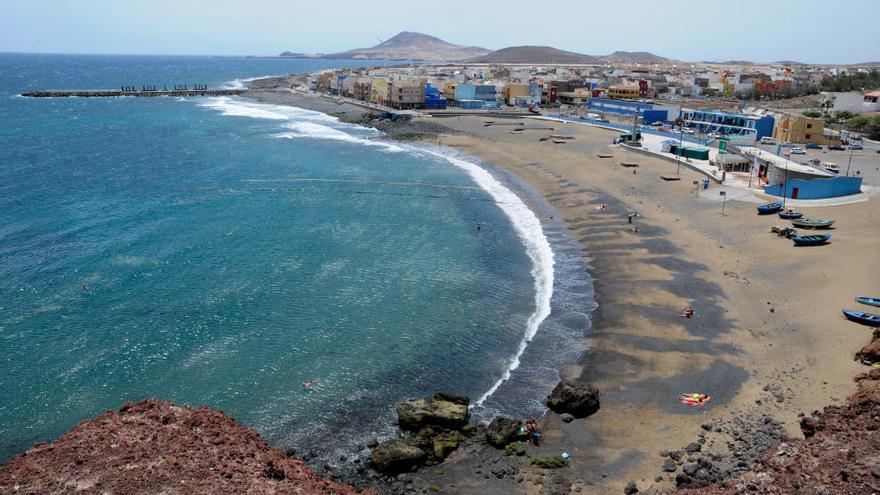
{"x":412,"y":415}
{"x":503,"y":431}
{"x":838,"y":455}
{"x":394,"y":457}
{"x":574,"y":398}
{"x":155,"y":446}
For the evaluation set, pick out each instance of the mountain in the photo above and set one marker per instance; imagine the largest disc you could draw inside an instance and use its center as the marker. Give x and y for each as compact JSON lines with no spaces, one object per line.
{"x":406,"y":46}
{"x":533,"y":55}
{"x":646,"y":58}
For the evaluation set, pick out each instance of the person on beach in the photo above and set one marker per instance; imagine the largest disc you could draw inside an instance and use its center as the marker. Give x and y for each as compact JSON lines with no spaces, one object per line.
{"x":629,"y":218}
{"x":688,"y":312}
{"x":634,"y":230}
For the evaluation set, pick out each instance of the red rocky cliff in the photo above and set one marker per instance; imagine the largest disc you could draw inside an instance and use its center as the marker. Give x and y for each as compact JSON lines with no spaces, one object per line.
{"x":155,"y":446}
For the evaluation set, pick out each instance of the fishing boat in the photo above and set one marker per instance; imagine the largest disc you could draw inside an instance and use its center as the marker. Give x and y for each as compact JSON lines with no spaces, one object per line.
{"x":769,"y":208}
{"x":810,"y":240}
{"x":790,"y":215}
{"x":813,"y":223}
{"x":870,"y":301}
{"x":861,"y":317}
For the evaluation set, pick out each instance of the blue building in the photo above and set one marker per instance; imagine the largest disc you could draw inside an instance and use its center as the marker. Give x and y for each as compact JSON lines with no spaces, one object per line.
{"x":481,"y":93}
{"x":649,"y":112}
{"x":739,"y":124}
{"x":434,"y":98}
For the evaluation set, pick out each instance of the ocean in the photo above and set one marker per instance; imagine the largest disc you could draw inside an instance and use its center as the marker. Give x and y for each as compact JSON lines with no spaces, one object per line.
{"x":299,"y":273}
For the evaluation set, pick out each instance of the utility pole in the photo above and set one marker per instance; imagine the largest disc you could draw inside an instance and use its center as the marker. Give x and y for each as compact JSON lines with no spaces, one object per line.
{"x":850,"y":160}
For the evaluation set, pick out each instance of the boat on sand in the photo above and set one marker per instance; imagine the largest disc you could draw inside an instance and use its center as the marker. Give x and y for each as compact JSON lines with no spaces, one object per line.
{"x":870,"y":301}
{"x":869,"y":319}
{"x":813,"y":223}
{"x":769,"y":208}
{"x":810,"y":240}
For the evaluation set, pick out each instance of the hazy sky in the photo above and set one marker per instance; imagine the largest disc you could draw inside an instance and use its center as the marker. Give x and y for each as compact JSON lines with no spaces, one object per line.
{"x":839,"y":31}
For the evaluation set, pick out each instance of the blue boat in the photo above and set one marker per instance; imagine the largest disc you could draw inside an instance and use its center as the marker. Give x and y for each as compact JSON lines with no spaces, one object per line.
{"x":769,"y":208}
{"x":810,"y":240}
{"x":870,"y":301}
{"x":790,"y":215}
{"x":863,"y":318}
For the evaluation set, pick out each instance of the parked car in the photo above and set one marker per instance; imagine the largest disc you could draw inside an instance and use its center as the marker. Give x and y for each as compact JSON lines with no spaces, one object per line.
{"x":768,"y":140}
{"x":836,"y":147}
{"x":831,"y":167}
{"x":813,"y":146}
{"x":798,"y":151}
{"x":856,"y":147}
{"x":855,"y":137}
{"x":789,"y":145}
{"x":686,"y":130}
{"x":656,"y":124}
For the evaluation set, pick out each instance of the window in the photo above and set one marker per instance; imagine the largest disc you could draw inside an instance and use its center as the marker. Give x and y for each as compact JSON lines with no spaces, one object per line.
{"x":809,"y":126}
{"x":808,"y":136}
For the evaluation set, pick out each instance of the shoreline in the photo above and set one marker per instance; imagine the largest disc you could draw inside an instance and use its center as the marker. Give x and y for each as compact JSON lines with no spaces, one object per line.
{"x":642,"y":355}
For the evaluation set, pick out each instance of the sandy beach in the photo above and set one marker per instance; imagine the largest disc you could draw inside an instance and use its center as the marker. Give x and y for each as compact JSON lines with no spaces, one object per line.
{"x":767,"y":339}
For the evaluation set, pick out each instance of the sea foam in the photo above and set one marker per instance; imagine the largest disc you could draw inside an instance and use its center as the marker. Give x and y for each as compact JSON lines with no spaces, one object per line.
{"x":528,"y":228}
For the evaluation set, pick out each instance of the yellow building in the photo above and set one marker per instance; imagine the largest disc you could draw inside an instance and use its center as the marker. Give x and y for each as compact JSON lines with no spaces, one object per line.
{"x":623,"y":92}
{"x":449,"y":91}
{"x":795,"y":128}
{"x":379,"y":92}
{"x":511,"y":91}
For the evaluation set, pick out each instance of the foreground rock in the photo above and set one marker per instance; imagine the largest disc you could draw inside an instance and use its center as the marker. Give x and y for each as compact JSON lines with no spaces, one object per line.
{"x":503,"y":431}
{"x":444,"y":410}
{"x":395,"y":457}
{"x":574,"y":398}
{"x":840,"y":453}
{"x":155,"y":446}
{"x":430,"y":432}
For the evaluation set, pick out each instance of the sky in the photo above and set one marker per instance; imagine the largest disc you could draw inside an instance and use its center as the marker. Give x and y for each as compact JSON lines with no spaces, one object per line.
{"x":811,"y":31}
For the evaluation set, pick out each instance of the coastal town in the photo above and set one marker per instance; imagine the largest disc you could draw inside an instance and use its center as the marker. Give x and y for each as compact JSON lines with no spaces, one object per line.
{"x":748,"y":125}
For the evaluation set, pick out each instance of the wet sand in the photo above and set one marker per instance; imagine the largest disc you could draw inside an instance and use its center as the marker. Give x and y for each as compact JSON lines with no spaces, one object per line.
{"x":768,"y":337}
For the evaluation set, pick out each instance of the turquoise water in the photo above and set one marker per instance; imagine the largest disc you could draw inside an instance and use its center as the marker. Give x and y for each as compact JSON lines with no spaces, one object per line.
{"x":217,"y":251}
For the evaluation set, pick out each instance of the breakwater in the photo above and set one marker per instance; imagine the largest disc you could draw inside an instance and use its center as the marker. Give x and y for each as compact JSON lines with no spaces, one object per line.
{"x":108,"y":93}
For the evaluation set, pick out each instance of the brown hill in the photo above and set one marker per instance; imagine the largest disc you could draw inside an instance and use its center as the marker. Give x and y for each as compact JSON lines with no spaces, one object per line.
{"x":157,"y":447}
{"x":406,"y":46}
{"x":533,"y":55}
{"x":646,"y":58}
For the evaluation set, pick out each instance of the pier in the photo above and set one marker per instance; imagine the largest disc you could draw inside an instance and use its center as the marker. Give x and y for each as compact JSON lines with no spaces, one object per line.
{"x":109,"y":93}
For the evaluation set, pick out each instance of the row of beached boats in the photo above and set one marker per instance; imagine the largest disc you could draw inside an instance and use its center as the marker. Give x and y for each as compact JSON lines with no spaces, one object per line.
{"x":797,"y":220}
{"x":870,"y":319}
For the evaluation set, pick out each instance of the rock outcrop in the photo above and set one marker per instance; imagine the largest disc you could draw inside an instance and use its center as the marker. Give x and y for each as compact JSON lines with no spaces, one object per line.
{"x":503,"y":431}
{"x":574,"y":398}
{"x":432,"y":430}
{"x":444,"y":410}
{"x":395,"y":457}
{"x":154,"y":446}
{"x":840,"y":453}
